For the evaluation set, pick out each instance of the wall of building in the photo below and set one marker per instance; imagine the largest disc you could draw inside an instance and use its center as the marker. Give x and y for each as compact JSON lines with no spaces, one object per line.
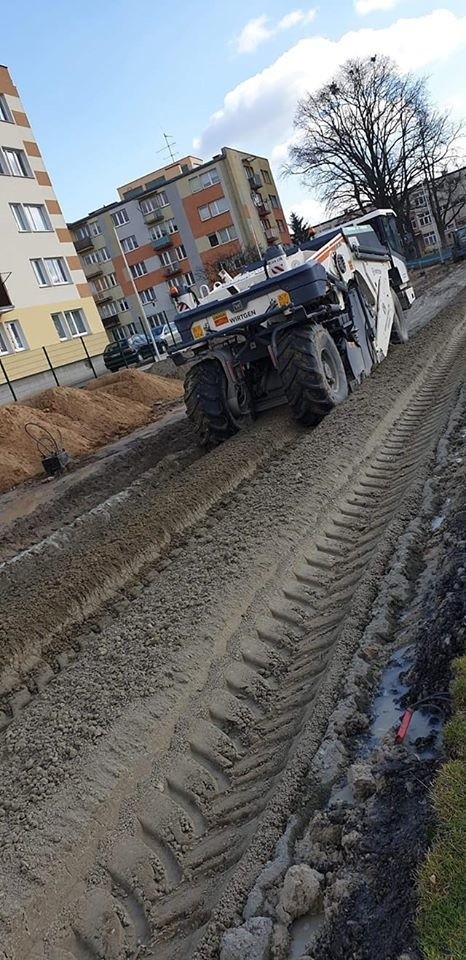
{"x":192,"y":233}
{"x":33,"y":304}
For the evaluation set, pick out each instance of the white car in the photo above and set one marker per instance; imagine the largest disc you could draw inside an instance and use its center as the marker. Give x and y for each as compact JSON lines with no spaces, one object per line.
{"x":167,"y":337}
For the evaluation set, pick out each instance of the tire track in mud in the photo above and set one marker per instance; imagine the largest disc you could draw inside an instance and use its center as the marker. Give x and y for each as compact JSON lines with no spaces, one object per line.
{"x":195,"y":842}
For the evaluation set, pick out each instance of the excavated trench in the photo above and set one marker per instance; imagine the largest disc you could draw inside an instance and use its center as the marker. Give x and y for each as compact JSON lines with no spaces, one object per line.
{"x":170,"y":662}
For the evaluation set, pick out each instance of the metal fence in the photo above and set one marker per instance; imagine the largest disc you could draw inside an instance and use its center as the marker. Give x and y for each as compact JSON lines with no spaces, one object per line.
{"x":439,"y":256}
{"x":55,"y":360}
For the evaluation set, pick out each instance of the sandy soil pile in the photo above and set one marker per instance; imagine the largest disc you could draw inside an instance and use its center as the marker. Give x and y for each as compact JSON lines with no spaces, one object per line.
{"x":136,"y":385}
{"x":81,"y":420}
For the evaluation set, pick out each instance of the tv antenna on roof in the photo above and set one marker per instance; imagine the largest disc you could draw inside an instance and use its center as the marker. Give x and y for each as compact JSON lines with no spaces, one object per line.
{"x":170,"y":142}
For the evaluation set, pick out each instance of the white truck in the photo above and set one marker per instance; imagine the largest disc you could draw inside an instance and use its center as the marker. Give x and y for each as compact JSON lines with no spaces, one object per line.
{"x":304,"y":326}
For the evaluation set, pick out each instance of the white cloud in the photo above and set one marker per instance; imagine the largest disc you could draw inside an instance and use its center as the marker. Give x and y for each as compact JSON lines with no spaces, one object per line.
{"x":260,"y":29}
{"x":261,"y":108}
{"x":257,"y":114}
{"x":370,"y":6}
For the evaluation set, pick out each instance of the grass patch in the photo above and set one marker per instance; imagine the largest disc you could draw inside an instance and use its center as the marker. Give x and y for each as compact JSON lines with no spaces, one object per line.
{"x":442,"y":878}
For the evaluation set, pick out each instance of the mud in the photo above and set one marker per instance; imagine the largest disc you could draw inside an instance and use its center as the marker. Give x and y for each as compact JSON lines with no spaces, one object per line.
{"x":373,"y":832}
{"x":191,"y":639}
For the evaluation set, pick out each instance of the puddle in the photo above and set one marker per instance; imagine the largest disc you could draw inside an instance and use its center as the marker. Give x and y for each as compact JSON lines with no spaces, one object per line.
{"x":302,"y":932}
{"x":438,"y":520}
{"x":387,"y":711}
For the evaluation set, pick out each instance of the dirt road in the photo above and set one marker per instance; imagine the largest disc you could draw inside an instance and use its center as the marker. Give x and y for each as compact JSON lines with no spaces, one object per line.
{"x":170,"y":657}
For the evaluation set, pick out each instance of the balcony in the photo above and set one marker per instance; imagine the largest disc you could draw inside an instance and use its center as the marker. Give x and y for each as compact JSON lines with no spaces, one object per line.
{"x":86,"y":243}
{"x":154,"y":216}
{"x":103,"y":297}
{"x":271,"y":234}
{"x":263,"y":208}
{"x":159,"y":243}
{"x":95,"y":271}
{"x":255,"y":182}
{"x":110,"y":322}
{"x":173,"y":270}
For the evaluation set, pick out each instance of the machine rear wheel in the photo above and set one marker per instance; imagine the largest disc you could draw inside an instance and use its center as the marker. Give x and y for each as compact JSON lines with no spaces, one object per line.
{"x":400,"y":329}
{"x":312,"y":373}
{"x":206,"y":399}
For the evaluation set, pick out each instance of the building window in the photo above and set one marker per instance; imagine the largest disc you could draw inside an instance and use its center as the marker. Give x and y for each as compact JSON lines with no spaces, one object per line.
{"x":213,"y":209}
{"x":82,"y":233}
{"x":106,"y":311}
{"x":95,"y":229}
{"x":248,"y":171}
{"x":424,"y":219}
{"x":4,"y":346}
{"x":97,"y":256}
{"x":31,"y":217}
{"x":162,"y":198}
{"x":120,"y":217}
{"x":180,"y":252}
{"x":148,"y":296}
{"x":16,"y":163}
{"x":123,"y":305}
{"x":273,"y":200}
{"x":70,"y":323}
{"x":51,"y":271}
{"x":189,"y":278}
{"x":103,"y":283}
{"x":430,"y":239}
{"x":204,"y":180}
{"x":157,"y":232}
{"x":165,"y":259}
{"x":138,"y":269}
{"x":5,"y":112}
{"x":128,"y":244}
{"x":266,"y":176}
{"x":420,"y":200}
{"x":59,"y":325}
{"x":171,"y":226}
{"x":149,"y":206}
{"x":222,"y":236}
{"x":16,"y":335}
{"x":281,"y":226}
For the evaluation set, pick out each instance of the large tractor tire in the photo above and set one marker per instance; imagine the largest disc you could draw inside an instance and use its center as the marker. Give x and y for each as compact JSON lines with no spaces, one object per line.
{"x":400,"y":329}
{"x":205,"y":394}
{"x":312,"y":373}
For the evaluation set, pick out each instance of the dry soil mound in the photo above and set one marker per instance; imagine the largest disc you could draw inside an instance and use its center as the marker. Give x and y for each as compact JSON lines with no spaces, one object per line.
{"x":136,"y":385}
{"x":20,"y":458}
{"x":97,"y":416}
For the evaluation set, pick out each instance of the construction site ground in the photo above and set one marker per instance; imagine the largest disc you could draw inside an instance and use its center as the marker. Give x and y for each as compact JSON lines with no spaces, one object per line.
{"x":191,"y":653}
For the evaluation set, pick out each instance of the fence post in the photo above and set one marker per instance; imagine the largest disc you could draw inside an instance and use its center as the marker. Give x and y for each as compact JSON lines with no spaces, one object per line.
{"x":86,"y":351}
{"x":51,"y":367}
{"x":2,"y":367}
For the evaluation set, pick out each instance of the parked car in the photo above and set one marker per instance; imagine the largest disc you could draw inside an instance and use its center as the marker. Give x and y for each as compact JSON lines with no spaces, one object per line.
{"x":167,"y":337}
{"x":459,"y":244}
{"x":130,"y":350}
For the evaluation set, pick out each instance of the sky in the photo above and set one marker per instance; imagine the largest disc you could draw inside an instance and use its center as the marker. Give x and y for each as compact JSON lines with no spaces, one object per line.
{"x":101,"y":82}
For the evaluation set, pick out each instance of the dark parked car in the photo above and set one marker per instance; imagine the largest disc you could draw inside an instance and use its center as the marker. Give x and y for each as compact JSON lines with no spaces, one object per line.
{"x":129,"y":351}
{"x":459,"y":244}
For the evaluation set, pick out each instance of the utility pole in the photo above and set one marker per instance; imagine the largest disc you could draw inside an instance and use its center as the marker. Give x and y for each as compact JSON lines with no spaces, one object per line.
{"x":144,"y":321}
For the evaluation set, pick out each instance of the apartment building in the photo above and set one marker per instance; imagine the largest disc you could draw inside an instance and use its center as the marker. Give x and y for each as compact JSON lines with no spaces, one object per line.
{"x":451,"y":191}
{"x":45,"y":301}
{"x":173,"y":227}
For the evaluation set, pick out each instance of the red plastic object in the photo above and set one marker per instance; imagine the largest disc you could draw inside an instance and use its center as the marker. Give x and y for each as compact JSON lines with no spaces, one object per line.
{"x":404,"y":726}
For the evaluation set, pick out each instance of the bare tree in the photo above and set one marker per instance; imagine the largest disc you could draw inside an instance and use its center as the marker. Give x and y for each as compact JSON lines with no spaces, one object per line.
{"x":359,"y":138}
{"x":443,"y":181}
